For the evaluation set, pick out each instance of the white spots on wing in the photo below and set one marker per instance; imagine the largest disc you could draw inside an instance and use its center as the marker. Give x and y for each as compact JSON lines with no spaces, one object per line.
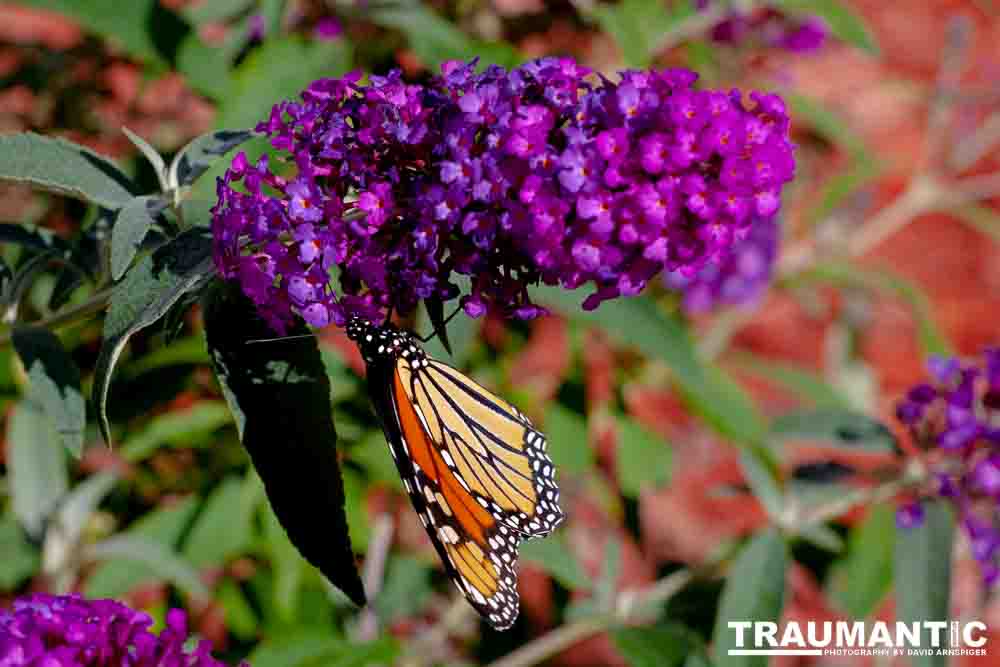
{"x":447,"y":458}
{"x":447,"y":534}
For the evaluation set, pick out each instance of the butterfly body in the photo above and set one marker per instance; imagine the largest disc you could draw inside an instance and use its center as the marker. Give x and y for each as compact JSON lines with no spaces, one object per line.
{"x":474,"y":467}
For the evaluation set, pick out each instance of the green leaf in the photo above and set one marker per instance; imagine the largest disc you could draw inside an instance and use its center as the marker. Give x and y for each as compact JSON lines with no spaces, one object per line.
{"x":54,"y":383}
{"x":639,"y":322}
{"x":68,"y":522}
{"x":280,"y":69}
{"x":34,"y":237}
{"x":188,"y":351}
{"x":160,"y":559}
{"x":406,"y":588}
{"x":932,"y":339}
{"x":151,"y":154}
{"x":643,"y":458}
{"x":241,"y":619}
{"x":205,"y":67}
{"x":319,"y":649}
{"x":149,"y":290}
{"x":20,"y":560}
{"x":129,"y":24}
{"x":194,"y":159}
{"x":183,"y":428}
{"x":432,"y":38}
{"x":754,"y":591}
{"x":844,"y":23}
{"x":60,"y":166}
{"x":553,"y":556}
{"x":843,"y":429}
{"x":922,"y":571}
{"x":134,"y":221}
{"x":764,"y":482}
{"x":222,"y":529}
{"x":805,"y":384}
{"x":284,"y":397}
{"x":569,"y":444}
{"x":661,"y":645}
{"x":827,"y":123}
{"x":638,"y":26}
{"x":36,"y":467}
{"x":216,"y":11}
{"x":867,"y":569}
{"x":117,"y":576}
{"x":287,"y":568}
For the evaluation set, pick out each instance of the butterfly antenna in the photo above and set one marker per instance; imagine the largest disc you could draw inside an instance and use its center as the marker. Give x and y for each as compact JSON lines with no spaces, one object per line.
{"x":271,"y":340}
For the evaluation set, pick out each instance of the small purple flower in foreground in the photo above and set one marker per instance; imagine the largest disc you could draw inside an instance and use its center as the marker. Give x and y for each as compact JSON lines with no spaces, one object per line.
{"x":507,"y":178}
{"x":739,"y":278}
{"x":69,"y":630}
{"x":956,"y":418}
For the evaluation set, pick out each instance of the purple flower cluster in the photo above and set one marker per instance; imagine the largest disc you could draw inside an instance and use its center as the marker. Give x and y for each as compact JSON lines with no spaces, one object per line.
{"x":69,"y":631}
{"x":957,"y":419}
{"x":772,"y":27}
{"x":738,"y":278}
{"x":508,"y":178}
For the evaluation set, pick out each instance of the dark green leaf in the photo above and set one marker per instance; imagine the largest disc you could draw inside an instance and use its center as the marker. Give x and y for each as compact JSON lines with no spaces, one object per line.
{"x":34,"y":237}
{"x":661,"y":645}
{"x":183,"y":265}
{"x":160,"y":559}
{"x":643,"y":458}
{"x":63,"y":167}
{"x":842,"y":429}
{"x":88,"y":259}
{"x":134,"y":221}
{"x":553,"y":556}
{"x":279,"y":70}
{"x":284,"y":397}
{"x":867,"y":571}
{"x":754,"y":591}
{"x":569,"y":444}
{"x":20,"y":559}
{"x":844,"y":23}
{"x":194,"y":159}
{"x":130,"y":24}
{"x":435,"y":312}
{"x":922,"y":571}
{"x":36,"y":466}
{"x":222,"y":528}
{"x":55,"y":383}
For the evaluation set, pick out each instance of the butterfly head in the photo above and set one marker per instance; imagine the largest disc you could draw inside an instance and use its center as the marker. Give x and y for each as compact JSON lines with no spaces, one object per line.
{"x":380,"y":342}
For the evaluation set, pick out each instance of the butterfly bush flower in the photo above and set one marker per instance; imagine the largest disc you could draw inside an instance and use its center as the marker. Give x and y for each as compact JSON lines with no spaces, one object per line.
{"x":770,"y":26}
{"x":956,"y":417}
{"x":388,"y":193}
{"x":739,"y":278}
{"x":70,"y":631}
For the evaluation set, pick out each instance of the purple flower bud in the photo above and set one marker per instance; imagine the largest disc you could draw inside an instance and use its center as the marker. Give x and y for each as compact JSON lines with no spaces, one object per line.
{"x":910,"y":516}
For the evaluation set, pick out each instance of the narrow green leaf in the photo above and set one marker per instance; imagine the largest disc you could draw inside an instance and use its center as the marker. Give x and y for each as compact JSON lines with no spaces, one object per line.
{"x":643,"y":458}
{"x":129,"y":24}
{"x":20,"y":560}
{"x":406,"y":588}
{"x":804,"y":383}
{"x":843,"y":429}
{"x":844,"y":23}
{"x":157,"y":557}
{"x":764,"y":482}
{"x":660,"y":645}
{"x":36,"y":466}
{"x":60,"y":166}
{"x":191,"y":427}
{"x":194,"y":159}
{"x":117,"y":576}
{"x":145,"y":295}
{"x":922,"y":569}
{"x":553,"y":556}
{"x":134,"y":221}
{"x":638,"y":26}
{"x":34,"y":237}
{"x":754,"y":591}
{"x":569,"y":443}
{"x":280,"y":69}
{"x":432,"y":38}
{"x":151,"y":154}
{"x":312,"y":649}
{"x":287,"y":569}
{"x":241,"y":619}
{"x":639,"y":322}
{"x":827,"y":123}
{"x":54,"y":383}
{"x":284,"y":397}
{"x":867,"y":571}
{"x":222,"y":529}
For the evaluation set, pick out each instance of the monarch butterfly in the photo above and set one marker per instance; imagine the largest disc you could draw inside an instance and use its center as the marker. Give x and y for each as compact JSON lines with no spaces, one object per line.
{"x":474,"y":467}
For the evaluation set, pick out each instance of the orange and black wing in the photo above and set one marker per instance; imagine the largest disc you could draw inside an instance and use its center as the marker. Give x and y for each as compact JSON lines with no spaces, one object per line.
{"x":477,"y":474}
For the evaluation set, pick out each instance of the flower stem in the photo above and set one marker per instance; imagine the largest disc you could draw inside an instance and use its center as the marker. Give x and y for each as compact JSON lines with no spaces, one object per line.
{"x":70,"y":315}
